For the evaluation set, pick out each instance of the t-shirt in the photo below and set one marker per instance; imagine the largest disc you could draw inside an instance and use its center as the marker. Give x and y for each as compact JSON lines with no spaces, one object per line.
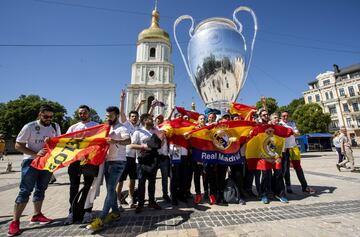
{"x":81,"y":126}
{"x":141,"y":136}
{"x":336,"y":142}
{"x":117,"y":152}
{"x":34,"y":134}
{"x":131,"y":129}
{"x":290,"y":141}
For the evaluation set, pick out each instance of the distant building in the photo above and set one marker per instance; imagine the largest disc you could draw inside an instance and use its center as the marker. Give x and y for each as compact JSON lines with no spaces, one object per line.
{"x":338,"y":93}
{"x":152,"y":75}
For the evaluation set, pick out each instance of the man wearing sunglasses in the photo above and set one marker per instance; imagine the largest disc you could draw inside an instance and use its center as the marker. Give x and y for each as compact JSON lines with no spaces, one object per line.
{"x":31,"y":141}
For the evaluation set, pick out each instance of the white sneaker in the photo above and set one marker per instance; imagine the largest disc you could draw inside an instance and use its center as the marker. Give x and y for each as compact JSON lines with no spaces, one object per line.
{"x":87,"y":217}
{"x":131,"y":203}
{"x":69,"y":219}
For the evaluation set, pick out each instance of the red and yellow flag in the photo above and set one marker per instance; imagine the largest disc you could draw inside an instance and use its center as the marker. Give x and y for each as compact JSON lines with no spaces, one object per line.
{"x":220,"y":143}
{"x":175,"y":130}
{"x":242,"y":110}
{"x":193,"y":116}
{"x":265,"y":145}
{"x":88,"y":145}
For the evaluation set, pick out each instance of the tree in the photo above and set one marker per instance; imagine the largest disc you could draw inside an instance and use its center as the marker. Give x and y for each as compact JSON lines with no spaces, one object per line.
{"x":93,"y":114}
{"x":310,"y":118}
{"x":294,"y":104}
{"x":271,"y":105}
{"x":16,"y":113}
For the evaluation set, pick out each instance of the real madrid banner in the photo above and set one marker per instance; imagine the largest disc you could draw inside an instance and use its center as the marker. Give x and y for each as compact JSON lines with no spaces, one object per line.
{"x":220,"y":143}
{"x":265,"y":145}
{"x":175,"y":129}
{"x":88,"y":145}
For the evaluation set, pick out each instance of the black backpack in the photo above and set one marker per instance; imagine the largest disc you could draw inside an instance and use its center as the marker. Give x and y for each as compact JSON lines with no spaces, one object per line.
{"x":231,"y":192}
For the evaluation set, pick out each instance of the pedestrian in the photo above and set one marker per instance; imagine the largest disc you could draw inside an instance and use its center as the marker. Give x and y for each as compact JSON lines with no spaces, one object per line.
{"x":336,"y":142}
{"x":75,"y":170}
{"x":346,"y":151}
{"x":114,"y":166}
{"x":30,"y":141}
{"x":2,"y":147}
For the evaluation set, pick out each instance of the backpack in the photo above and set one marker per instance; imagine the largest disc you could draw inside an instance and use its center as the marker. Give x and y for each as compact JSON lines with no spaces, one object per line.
{"x":231,"y":192}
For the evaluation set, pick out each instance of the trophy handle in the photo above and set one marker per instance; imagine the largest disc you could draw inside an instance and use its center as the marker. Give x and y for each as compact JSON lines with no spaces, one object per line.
{"x":246,"y":9}
{"x":178,"y":20}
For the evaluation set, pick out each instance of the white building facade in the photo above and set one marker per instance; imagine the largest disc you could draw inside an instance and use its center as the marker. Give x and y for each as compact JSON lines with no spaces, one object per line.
{"x":338,"y":93}
{"x":152,"y":75}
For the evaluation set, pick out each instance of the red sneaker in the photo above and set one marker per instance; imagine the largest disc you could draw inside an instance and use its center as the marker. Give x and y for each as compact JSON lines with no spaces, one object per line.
{"x":197,"y":199}
{"x":212,"y":199}
{"x":14,"y":228}
{"x":40,"y":219}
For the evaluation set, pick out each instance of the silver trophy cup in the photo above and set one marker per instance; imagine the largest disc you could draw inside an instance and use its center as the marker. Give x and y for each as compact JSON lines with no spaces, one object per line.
{"x":218,"y":57}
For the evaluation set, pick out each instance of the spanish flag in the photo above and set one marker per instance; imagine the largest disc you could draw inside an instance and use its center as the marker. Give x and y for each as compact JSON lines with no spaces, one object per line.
{"x":175,"y":130}
{"x":193,"y":116}
{"x":265,"y":145}
{"x":242,"y":110}
{"x":88,"y":145}
{"x":220,"y":143}
{"x":295,"y":157}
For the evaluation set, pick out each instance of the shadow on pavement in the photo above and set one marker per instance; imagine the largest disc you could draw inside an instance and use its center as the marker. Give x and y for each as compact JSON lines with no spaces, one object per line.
{"x":298,"y":194}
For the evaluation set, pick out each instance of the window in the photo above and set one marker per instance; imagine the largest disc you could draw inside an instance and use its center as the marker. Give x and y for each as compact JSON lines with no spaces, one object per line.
{"x":310,"y":99}
{"x":331,"y":95}
{"x":326,"y":82}
{"x":351,"y":91}
{"x":355,"y":107}
{"x":327,"y":95}
{"x":348,"y":122}
{"x":346,"y":107}
{"x":334,"y":124}
{"x":152,"y":52}
{"x":342,"y":91}
{"x":317,"y":98}
{"x":332,"y":109}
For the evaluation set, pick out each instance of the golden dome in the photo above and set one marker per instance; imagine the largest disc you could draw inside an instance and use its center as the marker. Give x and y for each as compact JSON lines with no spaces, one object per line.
{"x":154,"y":32}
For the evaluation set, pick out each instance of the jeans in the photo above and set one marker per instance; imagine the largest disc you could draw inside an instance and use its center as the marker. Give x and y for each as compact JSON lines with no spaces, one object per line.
{"x":74,"y":172}
{"x":286,"y":171}
{"x":237,"y":174}
{"x":112,"y":172}
{"x":32,"y":178}
{"x":164,"y":165}
{"x":341,"y":156}
{"x":179,"y":179}
{"x":265,"y":187}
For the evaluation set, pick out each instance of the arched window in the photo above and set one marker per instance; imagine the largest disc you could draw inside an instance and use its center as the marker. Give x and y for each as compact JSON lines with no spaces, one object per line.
{"x":149,"y":101}
{"x":152,"y":52}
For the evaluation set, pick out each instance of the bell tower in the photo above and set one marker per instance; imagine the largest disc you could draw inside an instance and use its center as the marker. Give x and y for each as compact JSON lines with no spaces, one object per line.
{"x":152,"y":74}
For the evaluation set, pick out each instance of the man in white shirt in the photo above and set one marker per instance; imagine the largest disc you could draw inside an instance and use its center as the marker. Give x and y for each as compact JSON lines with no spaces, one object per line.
{"x":75,"y":170}
{"x":31,"y":141}
{"x":290,"y":143}
{"x":114,"y":166}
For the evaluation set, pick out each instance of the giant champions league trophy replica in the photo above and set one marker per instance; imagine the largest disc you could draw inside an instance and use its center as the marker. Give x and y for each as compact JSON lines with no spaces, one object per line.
{"x":218,"y":57}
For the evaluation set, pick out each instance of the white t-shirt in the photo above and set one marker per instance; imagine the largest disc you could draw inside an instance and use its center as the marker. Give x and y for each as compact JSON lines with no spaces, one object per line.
{"x":131,"y":129}
{"x":81,"y":126}
{"x":141,"y":136}
{"x":117,"y":152}
{"x":34,"y":134}
{"x":336,"y":142}
{"x":290,"y":141}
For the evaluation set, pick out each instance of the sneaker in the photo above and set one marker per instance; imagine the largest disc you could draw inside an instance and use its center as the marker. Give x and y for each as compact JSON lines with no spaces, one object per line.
{"x":166,"y":198}
{"x":282,"y":199}
{"x":154,"y":205}
{"x":131,"y":203}
{"x":52,"y":180}
{"x":338,"y":167}
{"x":69,"y":219}
{"x":289,"y":189}
{"x":309,"y":190}
{"x":14,"y":228}
{"x":88,"y":217}
{"x":264,"y":200}
{"x":212,"y":199}
{"x":112,"y":216}
{"x":95,"y":225}
{"x":40,"y":219}
{"x":242,"y":201}
{"x":197,"y":199}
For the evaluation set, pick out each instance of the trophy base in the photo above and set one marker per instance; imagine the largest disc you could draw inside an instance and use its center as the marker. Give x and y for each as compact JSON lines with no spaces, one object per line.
{"x":223,"y":106}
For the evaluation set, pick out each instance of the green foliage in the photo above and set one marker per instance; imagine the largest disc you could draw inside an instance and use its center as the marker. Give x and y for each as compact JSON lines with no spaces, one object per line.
{"x":93,"y":114}
{"x":310,"y":118}
{"x":16,"y":113}
{"x":271,"y":105}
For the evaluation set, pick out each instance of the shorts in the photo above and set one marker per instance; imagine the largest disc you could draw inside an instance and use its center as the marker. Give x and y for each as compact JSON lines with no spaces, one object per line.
{"x":130,"y":169}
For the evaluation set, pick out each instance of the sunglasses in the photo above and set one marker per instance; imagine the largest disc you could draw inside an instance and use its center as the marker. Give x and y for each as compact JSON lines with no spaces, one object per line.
{"x":47,"y":116}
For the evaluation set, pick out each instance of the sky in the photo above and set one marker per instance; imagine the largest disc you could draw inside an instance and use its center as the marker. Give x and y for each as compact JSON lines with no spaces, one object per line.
{"x":81,"y":51}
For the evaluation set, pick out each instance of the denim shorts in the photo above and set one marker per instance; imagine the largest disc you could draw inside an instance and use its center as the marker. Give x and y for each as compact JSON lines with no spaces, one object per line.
{"x":31,"y":179}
